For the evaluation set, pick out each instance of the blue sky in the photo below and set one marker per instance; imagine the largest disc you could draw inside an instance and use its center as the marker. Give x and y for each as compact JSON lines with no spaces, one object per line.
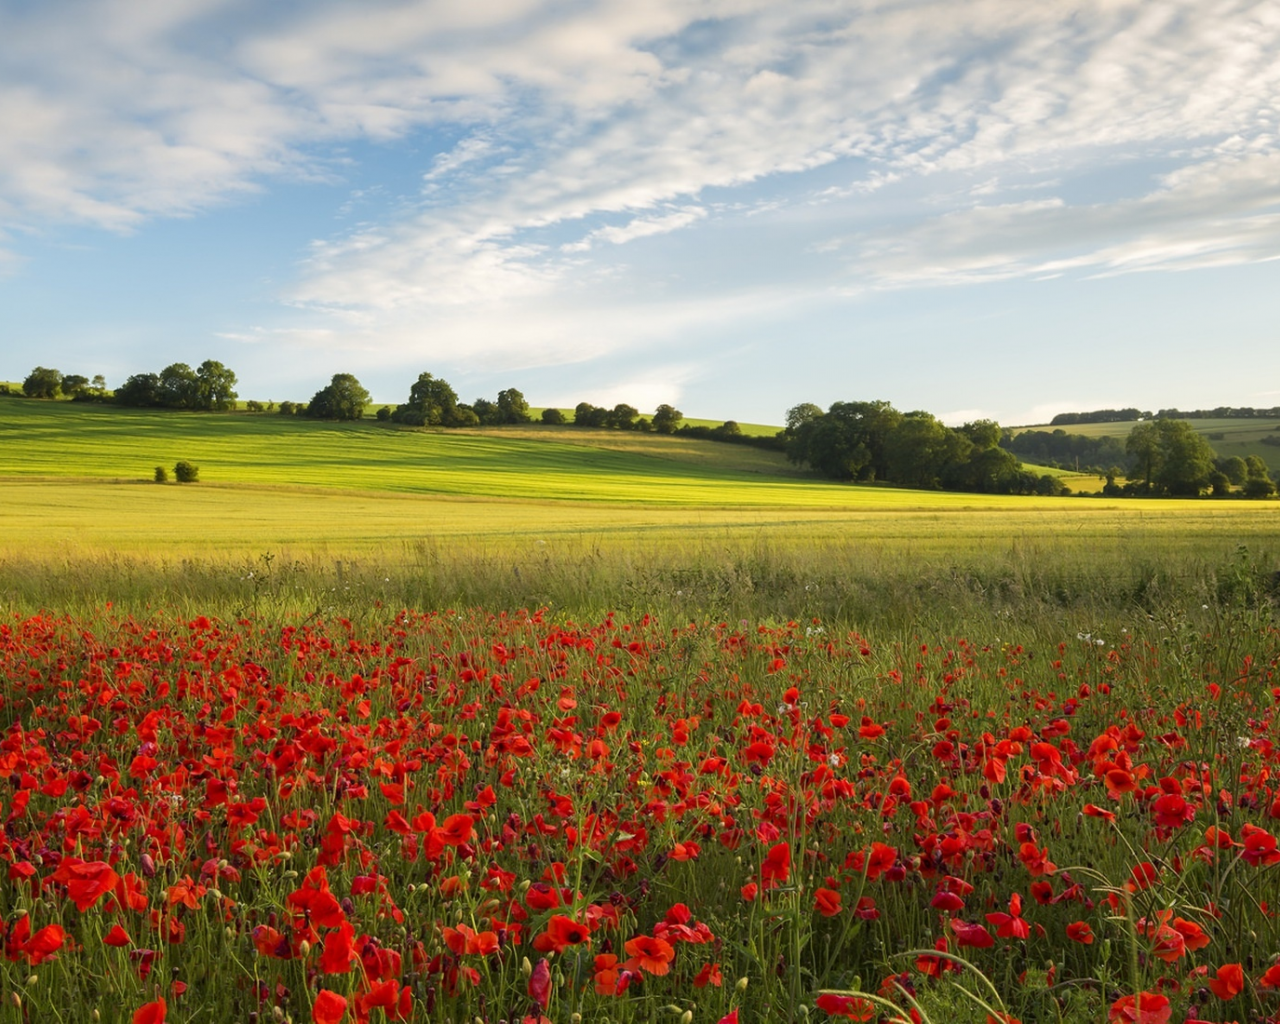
{"x":975,"y":207}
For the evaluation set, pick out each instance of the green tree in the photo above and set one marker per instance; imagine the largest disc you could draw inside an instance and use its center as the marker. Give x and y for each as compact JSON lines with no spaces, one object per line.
{"x":1234,"y":469}
{"x":179,"y":388}
{"x":1143,"y":445}
{"x":344,"y":399}
{"x":141,"y":391}
{"x":74,"y":385}
{"x":432,"y":403}
{"x":920,"y":447}
{"x":1186,"y":459}
{"x":848,"y":442}
{"x":553,"y":417}
{"x":186,"y":472}
{"x":587,"y":415}
{"x":214,"y":386}
{"x":622,"y":416}
{"x":512,"y":407}
{"x":42,"y":382}
{"x":798,"y":415}
{"x":666,"y":420}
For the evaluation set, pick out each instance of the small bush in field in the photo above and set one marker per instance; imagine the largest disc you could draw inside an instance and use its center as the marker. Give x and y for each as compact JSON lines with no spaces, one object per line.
{"x":162,"y":475}
{"x":186,"y":472}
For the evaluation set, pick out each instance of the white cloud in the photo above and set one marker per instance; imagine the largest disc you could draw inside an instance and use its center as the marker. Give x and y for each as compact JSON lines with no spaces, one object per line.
{"x":607,"y":121}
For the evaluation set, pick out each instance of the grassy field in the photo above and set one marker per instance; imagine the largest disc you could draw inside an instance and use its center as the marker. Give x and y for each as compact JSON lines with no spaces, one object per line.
{"x":302,"y":512}
{"x":1242,"y":437}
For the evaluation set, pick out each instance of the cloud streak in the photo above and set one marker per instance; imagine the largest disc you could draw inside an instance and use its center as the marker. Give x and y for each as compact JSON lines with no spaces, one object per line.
{"x":559,"y":141}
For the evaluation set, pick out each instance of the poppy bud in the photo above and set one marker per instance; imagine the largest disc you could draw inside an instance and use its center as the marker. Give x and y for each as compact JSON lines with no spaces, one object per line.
{"x":742,"y":985}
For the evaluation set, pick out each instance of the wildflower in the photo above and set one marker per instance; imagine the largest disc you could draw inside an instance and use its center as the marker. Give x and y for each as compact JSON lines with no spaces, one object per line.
{"x":1079,"y":931}
{"x":1228,"y":982}
{"x":540,"y":984}
{"x":1145,"y":1008}
{"x":329,"y":1007}
{"x":151,"y":1013}
{"x":651,"y":955}
{"x":827,"y":902}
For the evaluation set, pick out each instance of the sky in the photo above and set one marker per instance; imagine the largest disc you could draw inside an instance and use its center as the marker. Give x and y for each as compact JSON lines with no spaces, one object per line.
{"x":980,"y":208}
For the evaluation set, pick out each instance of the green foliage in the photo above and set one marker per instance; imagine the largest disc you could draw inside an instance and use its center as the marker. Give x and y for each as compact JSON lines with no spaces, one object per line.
{"x":1171,"y":457}
{"x":433,"y":403}
{"x":214,"y":387}
{"x":186,"y":472}
{"x":553,"y":417}
{"x":344,"y":399}
{"x":666,"y":419}
{"x":42,"y":382}
{"x":161,"y":475}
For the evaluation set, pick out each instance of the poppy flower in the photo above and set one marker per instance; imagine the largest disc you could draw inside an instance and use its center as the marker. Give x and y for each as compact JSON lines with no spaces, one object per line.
{"x":117,"y":937}
{"x":561,"y":933}
{"x":151,"y":1013}
{"x":1079,"y":931}
{"x":709,"y":975}
{"x":44,"y":943}
{"x":776,"y":868}
{"x":849,"y":1007}
{"x":971,"y":935}
{"x":827,"y":902}
{"x":651,"y":955}
{"x":338,"y":950}
{"x":1145,"y":1008}
{"x":540,"y":983}
{"x":329,"y":1007}
{"x":1228,"y":982}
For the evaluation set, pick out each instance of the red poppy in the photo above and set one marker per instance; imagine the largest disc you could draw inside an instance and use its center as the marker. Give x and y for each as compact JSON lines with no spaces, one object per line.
{"x":1145,"y":1008}
{"x":776,"y":868}
{"x":1079,"y":931}
{"x":971,"y":934}
{"x":338,"y":950}
{"x":329,"y":1007}
{"x":151,"y":1013}
{"x":1228,"y":982}
{"x":561,"y":933}
{"x":827,"y":902}
{"x":540,"y":983}
{"x":651,"y":955}
{"x":117,"y":936}
{"x":849,"y":1007}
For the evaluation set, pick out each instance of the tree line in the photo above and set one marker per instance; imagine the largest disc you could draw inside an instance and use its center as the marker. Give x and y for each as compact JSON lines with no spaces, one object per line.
{"x":855,"y":441}
{"x":1222,"y":412}
{"x":873,"y":441}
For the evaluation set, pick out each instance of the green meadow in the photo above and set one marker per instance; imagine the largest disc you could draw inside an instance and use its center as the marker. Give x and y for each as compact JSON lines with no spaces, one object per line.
{"x":1236,"y":436}
{"x":301,"y":514}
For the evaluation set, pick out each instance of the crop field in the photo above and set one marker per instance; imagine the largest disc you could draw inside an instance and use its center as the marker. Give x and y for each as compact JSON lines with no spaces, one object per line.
{"x":1242,"y":437}
{"x":554,"y":726}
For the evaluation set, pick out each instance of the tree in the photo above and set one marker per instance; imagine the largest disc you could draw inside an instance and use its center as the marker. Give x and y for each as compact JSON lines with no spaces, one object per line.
{"x":74,"y":385}
{"x":553,"y":417}
{"x":587,"y":415}
{"x":178,"y":387}
{"x":622,"y":416}
{"x":214,"y":386}
{"x":344,"y":399}
{"x":1234,"y":469}
{"x":186,"y":472}
{"x":486,"y":411}
{"x":432,"y":403}
{"x":798,"y":415}
{"x":512,"y":408}
{"x":667,"y":419}
{"x":42,"y":382}
{"x":920,"y":447}
{"x":1171,"y":456}
{"x":141,"y":391}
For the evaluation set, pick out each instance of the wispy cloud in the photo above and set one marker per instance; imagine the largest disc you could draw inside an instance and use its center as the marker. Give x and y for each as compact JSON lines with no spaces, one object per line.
{"x":559,"y":134}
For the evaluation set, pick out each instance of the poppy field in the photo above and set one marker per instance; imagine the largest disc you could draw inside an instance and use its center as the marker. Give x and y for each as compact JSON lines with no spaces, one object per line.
{"x":522,"y":817}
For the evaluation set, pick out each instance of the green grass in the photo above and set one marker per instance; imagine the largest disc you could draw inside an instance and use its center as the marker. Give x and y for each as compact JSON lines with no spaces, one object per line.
{"x":1242,"y":437}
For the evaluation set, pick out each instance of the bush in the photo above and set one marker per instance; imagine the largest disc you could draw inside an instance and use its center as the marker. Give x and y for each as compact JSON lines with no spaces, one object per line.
{"x":162,"y":475}
{"x":553,"y":416}
{"x":384,"y":414}
{"x":186,"y":472}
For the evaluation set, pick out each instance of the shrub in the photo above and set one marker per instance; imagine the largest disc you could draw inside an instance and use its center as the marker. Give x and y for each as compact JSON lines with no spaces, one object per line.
{"x":186,"y":472}
{"x":162,"y":475}
{"x":384,"y":414}
{"x":553,"y":416}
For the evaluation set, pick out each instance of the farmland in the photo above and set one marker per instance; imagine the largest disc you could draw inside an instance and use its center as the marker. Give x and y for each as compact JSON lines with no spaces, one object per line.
{"x":556,"y":725}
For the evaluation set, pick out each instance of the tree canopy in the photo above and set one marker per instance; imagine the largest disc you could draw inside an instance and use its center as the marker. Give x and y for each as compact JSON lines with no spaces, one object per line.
{"x":344,"y":399}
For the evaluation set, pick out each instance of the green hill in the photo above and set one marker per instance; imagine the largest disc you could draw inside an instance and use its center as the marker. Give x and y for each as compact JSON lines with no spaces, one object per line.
{"x":1236,"y":436}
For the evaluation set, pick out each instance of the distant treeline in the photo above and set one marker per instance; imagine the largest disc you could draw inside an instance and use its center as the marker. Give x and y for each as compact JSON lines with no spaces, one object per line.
{"x":1222,"y":412}
{"x":1068,"y":451}
{"x":873,"y":441}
